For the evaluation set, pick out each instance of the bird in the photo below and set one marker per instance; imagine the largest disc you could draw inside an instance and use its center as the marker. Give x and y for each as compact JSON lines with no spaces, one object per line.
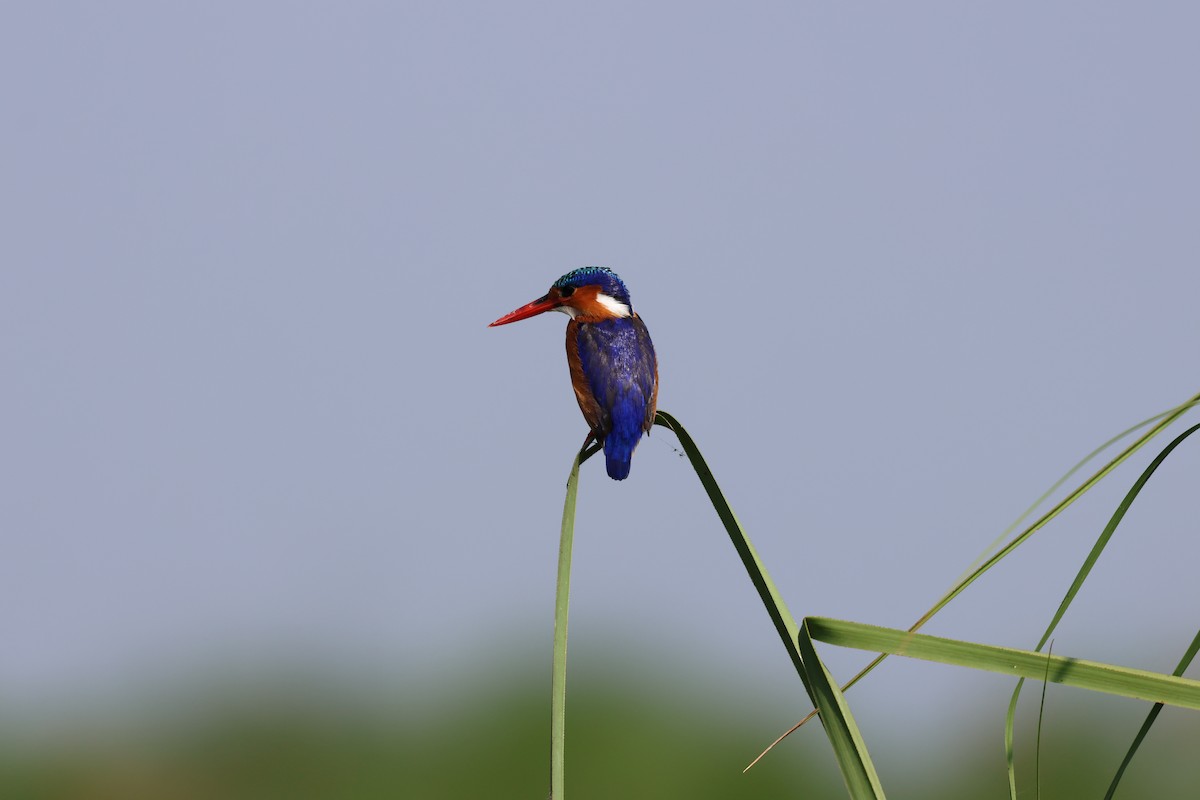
{"x":614,"y":370}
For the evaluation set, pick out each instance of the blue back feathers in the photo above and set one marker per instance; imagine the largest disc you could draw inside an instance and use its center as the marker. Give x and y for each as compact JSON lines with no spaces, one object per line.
{"x":621,"y":370}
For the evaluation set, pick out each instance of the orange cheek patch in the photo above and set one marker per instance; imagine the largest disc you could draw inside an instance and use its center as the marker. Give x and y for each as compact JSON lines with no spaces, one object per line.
{"x":589,"y":308}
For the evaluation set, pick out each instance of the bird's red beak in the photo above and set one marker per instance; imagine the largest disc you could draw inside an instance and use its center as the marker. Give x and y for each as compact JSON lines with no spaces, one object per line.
{"x":539,"y":306}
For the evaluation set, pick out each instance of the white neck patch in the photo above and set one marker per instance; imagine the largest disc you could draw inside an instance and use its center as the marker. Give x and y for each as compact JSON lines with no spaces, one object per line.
{"x":613,"y":305}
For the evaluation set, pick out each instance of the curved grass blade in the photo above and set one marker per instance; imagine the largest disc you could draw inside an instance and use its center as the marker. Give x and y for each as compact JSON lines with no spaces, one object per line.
{"x":1058,"y":508}
{"x":1089,"y":562}
{"x":853,"y":759}
{"x":562,"y":597}
{"x":785,"y":623}
{"x":1108,"y":678}
{"x":1066,"y":476}
{"x":1164,"y":421}
{"x":857,"y":770}
{"x":1184,"y":663}
{"x":781,"y":617}
{"x":1037,"y":764}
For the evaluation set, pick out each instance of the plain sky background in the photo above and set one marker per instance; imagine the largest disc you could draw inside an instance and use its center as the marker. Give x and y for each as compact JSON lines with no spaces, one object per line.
{"x":903,"y":265}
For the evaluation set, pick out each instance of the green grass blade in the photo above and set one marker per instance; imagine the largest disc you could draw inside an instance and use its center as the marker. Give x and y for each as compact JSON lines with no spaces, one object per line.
{"x":1066,"y":476}
{"x":857,"y":769}
{"x":1010,"y":719}
{"x":853,"y":759}
{"x":1164,"y":421}
{"x":781,"y":617}
{"x":1111,"y":679}
{"x":1184,"y":663}
{"x":1108,"y":531}
{"x":1077,"y":584}
{"x":1037,"y":764}
{"x":1058,"y":508}
{"x":562,"y":597}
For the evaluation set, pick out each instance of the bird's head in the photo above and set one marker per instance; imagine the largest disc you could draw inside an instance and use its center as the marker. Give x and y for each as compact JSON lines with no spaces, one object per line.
{"x":587,"y":294}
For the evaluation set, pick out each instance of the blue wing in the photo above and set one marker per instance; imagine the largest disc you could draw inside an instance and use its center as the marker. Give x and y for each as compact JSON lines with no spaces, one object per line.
{"x":621,"y":370}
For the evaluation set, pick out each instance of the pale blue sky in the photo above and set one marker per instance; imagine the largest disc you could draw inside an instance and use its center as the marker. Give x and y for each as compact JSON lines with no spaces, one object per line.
{"x":903,"y":264}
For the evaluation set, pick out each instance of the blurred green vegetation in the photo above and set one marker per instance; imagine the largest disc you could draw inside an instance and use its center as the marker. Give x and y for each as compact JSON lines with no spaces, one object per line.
{"x":627,"y":737}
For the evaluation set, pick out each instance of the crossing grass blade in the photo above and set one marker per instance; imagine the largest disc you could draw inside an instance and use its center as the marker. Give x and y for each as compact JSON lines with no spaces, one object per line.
{"x":1041,"y":716}
{"x":1066,"y":476}
{"x":1184,"y":663}
{"x":1108,"y":678}
{"x":857,"y":770}
{"x":1058,"y":508}
{"x":1084,"y":570}
{"x":1164,"y":420}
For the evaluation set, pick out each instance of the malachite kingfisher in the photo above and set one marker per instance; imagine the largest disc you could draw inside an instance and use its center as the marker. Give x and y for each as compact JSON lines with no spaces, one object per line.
{"x":613,"y":367}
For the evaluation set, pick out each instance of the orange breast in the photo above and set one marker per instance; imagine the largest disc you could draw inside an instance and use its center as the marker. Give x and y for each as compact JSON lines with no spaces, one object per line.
{"x":579,"y":382}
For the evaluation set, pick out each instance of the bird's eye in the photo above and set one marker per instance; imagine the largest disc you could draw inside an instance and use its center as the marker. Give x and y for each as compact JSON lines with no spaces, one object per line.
{"x":566,"y":291}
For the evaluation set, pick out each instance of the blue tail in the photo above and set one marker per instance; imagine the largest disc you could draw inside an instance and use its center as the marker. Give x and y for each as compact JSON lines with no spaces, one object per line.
{"x":617,"y":457}
{"x":627,"y":418}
